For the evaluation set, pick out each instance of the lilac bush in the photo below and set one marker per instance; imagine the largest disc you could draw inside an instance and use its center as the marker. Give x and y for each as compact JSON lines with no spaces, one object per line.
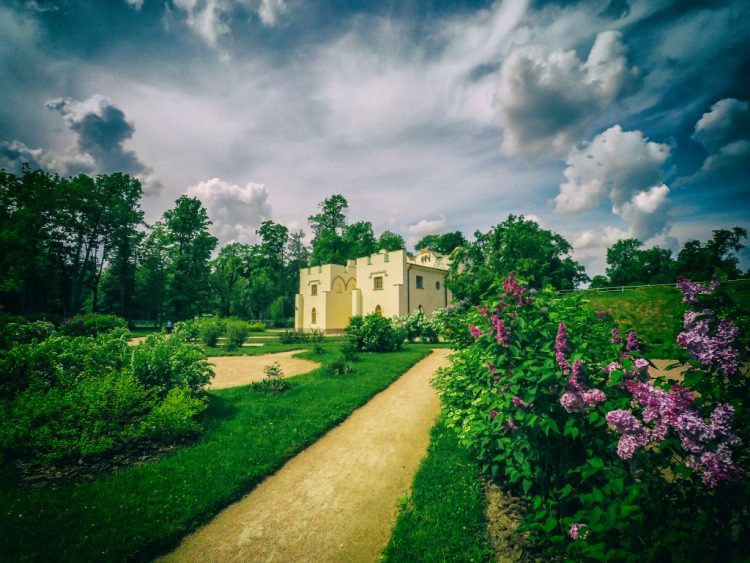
{"x":560,"y":406}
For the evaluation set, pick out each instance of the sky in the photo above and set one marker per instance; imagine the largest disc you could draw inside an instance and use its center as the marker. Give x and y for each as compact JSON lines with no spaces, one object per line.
{"x":599,"y":120}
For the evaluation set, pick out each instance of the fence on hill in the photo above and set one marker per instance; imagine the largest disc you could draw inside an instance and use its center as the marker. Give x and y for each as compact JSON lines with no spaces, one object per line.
{"x":625,"y":288}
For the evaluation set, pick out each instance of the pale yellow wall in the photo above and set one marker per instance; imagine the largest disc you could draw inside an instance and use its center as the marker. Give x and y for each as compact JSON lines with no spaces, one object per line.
{"x":429,"y":297}
{"x":333,"y":300}
{"x":390,"y":266}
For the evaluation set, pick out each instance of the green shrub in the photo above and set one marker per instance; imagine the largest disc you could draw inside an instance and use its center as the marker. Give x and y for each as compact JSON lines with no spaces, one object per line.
{"x":24,"y":332}
{"x":450,"y":324}
{"x":350,"y":352}
{"x":162,"y":362}
{"x":92,"y":324}
{"x":374,"y":333}
{"x":188,"y":330}
{"x":417,"y":326}
{"x":274,"y":381}
{"x":338,"y":367}
{"x":174,"y":417}
{"x":256,"y":327}
{"x":236,"y":333}
{"x":210,"y":329}
{"x":294,"y":337}
{"x":91,"y":417}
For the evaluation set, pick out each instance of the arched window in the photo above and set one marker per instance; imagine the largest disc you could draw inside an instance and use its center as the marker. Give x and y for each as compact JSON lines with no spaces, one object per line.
{"x":378,"y":311}
{"x":314,"y":316}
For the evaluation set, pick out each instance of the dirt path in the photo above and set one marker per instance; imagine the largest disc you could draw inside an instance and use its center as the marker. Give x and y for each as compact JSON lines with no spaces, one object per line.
{"x":232,"y":371}
{"x":337,"y":500}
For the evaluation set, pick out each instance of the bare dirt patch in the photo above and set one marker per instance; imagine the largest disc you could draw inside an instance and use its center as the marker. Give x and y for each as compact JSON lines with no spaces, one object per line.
{"x":674,"y":374}
{"x":338,"y":499}
{"x":504,"y":515}
{"x":232,"y":371}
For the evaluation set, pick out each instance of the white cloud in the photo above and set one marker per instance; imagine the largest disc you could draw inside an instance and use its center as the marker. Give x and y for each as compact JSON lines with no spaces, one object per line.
{"x":136,"y":4}
{"x":727,"y":121}
{"x":547,"y":98}
{"x":625,"y":166}
{"x":236,"y":211}
{"x":271,"y":12}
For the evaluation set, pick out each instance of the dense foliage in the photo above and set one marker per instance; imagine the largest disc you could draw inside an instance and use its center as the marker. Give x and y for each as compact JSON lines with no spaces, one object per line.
{"x":417,"y":326}
{"x":92,"y":324}
{"x":374,"y":333}
{"x":67,"y":398}
{"x":515,"y":245}
{"x":628,"y":263}
{"x":614,"y":464}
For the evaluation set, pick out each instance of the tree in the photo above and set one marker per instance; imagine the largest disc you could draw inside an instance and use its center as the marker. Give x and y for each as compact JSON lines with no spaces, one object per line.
{"x":228,"y":270}
{"x":536,"y":255}
{"x":328,"y":227}
{"x":630,"y":264}
{"x":190,"y":247}
{"x":359,"y":240}
{"x":700,"y":262}
{"x":391,"y":241}
{"x":273,"y":238}
{"x":442,"y":244}
{"x":152,"y":273}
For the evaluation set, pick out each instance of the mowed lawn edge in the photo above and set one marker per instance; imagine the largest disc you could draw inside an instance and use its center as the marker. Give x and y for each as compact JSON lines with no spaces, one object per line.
{"x":445,"y":517}
{"x":144,"y":511}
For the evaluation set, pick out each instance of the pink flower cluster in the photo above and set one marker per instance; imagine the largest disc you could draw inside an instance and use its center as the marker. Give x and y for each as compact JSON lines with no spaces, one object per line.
{"x":513,"y":289}
{"x":575,"y":531}
{"x":706,"y":443}
{"x":691,"y":290}
{"x":521,"y":404}
{"x":616,"y":338}
{"x":475,"y":332}
{"x":718,"y":350}
{"x":631,"y":342}
{"x":501,"y":331}
{"x":562,"y":348}
{"x":578,"y":397}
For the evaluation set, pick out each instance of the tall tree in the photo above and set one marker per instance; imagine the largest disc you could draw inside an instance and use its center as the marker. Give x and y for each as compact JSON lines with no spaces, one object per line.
{"x":190,"y":248}
{"x":274,"y":237}
{"x":359,"y":240}
{"x":442,"y":244}
{"x":228,"y":270}
{"x":152,"y":273}
{"x":538,"y":256}
{"x":391,"y":241}
{"x":700,"y":262}
{"x":331,"y":217}
{"x":628,"y":263}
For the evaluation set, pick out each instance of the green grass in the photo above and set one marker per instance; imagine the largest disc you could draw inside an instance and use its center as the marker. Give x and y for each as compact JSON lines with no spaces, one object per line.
{"x":655,"y":313}
{"x":144,"y":331}
{"x":444,"y":520}
{"x":143,"y":511}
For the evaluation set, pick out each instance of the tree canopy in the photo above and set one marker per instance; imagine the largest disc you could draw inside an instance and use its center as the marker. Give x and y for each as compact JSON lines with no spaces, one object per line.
{"x":442,"y":244}
{"x":538,"y":256}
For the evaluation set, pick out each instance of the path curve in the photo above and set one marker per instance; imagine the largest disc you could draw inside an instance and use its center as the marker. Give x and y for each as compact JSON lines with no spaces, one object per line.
{"x":232,"y":371}
{"x":337,"y":500}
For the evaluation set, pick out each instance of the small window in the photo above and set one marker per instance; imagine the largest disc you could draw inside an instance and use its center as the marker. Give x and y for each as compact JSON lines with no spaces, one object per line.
{"x":314,"y":290}
{"x":378,"y":284}
{"x":378,"y":311}
{"x":385,"y":257}
{"x":314,"y":316}
{"x":369,"y":260}
{"x":437,"y":285}
{"x":420,"y":282}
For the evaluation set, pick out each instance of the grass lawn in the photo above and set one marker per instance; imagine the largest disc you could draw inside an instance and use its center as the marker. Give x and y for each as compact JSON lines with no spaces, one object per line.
{"x":143,"y":511}
{"x":656,"y":312}
{"x":444,"y":519}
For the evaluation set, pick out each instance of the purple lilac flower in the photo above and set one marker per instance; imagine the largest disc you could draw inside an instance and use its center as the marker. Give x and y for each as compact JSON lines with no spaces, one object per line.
{"x":493,"y":414}
{"x":501,"y":332}
{"x":641,"y":364}
{"x":562,"y":347}
{"x":631,"y":343}
{"x":513,"y":289}
{"x":616,"y":338}
{"x":575,"y":531}
{"x":509,"y":426}
{"x":612,"y":366}
{"x":634,"y":434}
{"x":475,"y":332}
{"x":484,"y":311}
{"x":718,"y":350}
{"x":577,"y":397}
{"x":691,"y":290}
{"x":715,"y":466}
{"x":521,"y":404}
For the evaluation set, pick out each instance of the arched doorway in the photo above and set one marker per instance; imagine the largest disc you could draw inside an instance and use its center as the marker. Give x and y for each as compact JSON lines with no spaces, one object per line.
{"x":378,"y":311}
{"x":314,"y":316}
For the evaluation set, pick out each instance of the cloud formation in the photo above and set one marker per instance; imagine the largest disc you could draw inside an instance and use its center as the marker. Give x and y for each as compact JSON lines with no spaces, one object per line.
{"x":236,"y":211}
{"x":724,"y":131}
{"x":627,"y":168}
{"x":547,"y":98}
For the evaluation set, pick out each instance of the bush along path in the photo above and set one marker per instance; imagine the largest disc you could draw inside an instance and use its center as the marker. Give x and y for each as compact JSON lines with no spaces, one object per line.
{"x":337,"y":500}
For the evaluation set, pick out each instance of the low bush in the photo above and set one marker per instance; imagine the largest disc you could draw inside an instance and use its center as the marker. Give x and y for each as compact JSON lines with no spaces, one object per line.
{"x":417,"y":326}
{"x":294,"y":337}
{"x":24,"y":332}
{"x":188,"y":330}
{"x":350,"y":352}
{"x":210,"y":329}
{"x":274,"y":381}
{"x":256,"y":327}
{"x":450,"y":324}
{"x":92,"y":324}
{"x":236,"y":333}
{"x":374,"y":333}
{"x":338,"y":367}
{"x":162,"y":363}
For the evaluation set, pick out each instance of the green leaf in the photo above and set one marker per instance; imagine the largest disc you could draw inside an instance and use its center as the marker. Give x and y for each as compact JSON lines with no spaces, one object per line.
{"x":526,"y":486}
{"x":549,"y":524}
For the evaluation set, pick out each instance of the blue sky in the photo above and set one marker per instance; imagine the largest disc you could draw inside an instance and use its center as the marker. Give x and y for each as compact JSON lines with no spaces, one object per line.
{"x":600,"y":121}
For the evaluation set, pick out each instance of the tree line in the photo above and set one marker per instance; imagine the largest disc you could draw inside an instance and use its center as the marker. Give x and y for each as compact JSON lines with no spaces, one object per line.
{"x":77,"y":244}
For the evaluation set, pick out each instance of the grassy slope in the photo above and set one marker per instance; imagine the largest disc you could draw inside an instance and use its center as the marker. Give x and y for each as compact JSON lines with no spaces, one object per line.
{"x":142,"y":511}
{"x":656,"y":312}
{"x":445,"y":518}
